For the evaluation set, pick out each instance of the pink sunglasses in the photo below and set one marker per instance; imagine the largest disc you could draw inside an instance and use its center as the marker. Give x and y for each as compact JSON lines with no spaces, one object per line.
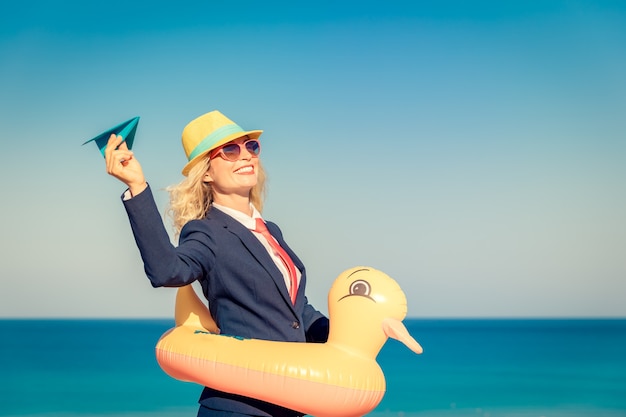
{"x":231,"y":151}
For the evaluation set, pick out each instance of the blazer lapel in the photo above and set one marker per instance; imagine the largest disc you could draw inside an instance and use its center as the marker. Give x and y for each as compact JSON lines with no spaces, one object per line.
{"x":255,"y":248}
{"x":275,"y":232}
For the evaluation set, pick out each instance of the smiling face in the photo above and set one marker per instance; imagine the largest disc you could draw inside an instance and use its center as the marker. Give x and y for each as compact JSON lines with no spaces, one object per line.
{"x":233,"y":179}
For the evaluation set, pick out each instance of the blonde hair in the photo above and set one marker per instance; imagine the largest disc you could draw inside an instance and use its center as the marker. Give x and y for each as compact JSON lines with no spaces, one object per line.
{"x":191,"y":198}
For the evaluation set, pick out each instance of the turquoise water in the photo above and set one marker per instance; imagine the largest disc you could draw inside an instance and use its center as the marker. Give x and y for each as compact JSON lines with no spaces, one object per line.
{"x":487,"y":368}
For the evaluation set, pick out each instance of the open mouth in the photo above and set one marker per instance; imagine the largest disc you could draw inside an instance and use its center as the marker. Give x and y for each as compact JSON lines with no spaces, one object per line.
{"x":248,"y":169}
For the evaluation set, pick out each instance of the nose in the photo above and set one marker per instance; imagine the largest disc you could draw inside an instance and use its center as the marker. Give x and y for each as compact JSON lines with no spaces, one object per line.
{"x":245,"y":154}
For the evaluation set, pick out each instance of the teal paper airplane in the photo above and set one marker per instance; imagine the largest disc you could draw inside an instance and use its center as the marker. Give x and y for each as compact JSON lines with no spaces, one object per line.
{"x":126,"y":130}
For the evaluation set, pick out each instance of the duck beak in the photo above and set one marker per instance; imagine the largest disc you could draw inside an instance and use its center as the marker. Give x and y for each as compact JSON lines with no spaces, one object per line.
{"x":395,"y":329}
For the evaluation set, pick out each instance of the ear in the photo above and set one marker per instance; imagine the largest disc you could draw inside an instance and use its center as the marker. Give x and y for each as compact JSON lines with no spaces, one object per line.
{"x":207,"y":177}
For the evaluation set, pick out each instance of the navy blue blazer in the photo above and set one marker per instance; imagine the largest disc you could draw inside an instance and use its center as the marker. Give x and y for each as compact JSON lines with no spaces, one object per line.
{"x":246,"y":292}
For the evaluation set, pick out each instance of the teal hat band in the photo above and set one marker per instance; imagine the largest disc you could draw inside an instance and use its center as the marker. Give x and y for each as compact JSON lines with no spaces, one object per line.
{"x":214,"y":138}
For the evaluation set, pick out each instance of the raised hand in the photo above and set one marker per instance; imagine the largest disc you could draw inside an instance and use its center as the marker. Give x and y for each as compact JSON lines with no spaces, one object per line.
{"x":122,"y":164}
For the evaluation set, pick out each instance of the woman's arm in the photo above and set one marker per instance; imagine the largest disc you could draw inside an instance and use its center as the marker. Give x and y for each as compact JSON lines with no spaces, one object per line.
{"x":165,"y":265}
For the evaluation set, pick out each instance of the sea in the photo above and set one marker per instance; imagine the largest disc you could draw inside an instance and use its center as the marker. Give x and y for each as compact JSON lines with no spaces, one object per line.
{"x":470,"y":367}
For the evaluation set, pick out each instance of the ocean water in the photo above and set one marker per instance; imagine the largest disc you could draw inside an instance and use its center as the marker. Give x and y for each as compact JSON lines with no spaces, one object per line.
{"x":481,"y":368}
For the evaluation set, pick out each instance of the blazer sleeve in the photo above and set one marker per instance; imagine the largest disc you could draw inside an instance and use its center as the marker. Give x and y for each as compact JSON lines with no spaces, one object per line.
{"x":164,"y":264}
{"x":318,"y":330}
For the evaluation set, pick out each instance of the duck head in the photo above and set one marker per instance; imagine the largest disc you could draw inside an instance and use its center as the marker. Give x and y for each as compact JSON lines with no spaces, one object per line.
{"x":366,"y":307}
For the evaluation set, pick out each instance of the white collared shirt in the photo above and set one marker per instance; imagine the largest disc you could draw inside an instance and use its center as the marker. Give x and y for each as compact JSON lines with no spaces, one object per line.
{"x":250,"y":223}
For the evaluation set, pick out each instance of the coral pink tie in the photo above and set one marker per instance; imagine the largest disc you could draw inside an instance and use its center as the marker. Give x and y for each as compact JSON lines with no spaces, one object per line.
{"x":261,"y":228}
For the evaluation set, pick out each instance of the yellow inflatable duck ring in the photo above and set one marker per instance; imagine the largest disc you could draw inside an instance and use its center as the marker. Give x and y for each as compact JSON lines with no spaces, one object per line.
{"x":339,"y":378}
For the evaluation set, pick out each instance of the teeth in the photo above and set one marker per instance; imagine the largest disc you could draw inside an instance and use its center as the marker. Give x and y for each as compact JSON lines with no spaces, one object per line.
{"x":245,"y":169}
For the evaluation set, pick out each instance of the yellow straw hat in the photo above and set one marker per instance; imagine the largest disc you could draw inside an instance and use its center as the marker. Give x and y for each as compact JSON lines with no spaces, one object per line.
{"x":208,"y":132}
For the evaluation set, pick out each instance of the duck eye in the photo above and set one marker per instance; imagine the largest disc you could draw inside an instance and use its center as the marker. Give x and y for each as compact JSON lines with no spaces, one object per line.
{"x":360,"y":287}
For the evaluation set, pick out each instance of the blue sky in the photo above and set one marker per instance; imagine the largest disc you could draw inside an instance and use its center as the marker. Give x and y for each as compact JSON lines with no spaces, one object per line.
{"x":474,"y":151}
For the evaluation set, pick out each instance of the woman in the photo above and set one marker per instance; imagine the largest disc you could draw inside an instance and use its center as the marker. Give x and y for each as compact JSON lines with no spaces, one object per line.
{"x":252,"y":287}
